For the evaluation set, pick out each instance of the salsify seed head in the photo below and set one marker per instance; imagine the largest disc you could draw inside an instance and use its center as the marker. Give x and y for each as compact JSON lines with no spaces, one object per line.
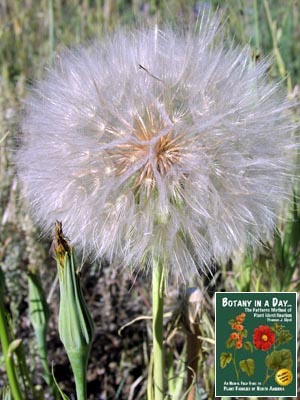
{"x":158,"y":143}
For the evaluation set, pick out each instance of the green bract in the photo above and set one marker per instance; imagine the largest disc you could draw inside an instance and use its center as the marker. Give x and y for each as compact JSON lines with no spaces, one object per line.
{"x":76,"y":328}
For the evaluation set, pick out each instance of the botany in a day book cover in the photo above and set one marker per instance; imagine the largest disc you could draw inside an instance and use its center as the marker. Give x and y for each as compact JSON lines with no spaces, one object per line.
{"x":256,"y":352}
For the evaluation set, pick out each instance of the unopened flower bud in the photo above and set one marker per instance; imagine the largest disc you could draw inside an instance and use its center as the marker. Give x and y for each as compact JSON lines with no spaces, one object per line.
{"x":76,"y":328}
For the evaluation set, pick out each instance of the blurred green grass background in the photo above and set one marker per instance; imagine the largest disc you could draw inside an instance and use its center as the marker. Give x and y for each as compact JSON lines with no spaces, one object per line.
{"x":31,"y":32}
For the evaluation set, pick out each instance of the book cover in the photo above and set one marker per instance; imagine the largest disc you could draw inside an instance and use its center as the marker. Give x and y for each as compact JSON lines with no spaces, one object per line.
{"x":256,"y":344}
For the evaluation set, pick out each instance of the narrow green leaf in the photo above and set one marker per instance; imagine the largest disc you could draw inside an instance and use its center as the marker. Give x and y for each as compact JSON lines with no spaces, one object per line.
{"x":63,"y":396}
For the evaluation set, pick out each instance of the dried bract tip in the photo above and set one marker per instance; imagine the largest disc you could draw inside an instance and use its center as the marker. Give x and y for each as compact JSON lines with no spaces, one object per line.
{"x":60,"y":244}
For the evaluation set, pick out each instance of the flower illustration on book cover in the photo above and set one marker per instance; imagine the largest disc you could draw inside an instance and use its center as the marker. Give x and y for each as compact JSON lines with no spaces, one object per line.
{"x":263,"y":337}
{"x":266,"y":338}
{"x":236,"y":341}
{"x":278,"y":360}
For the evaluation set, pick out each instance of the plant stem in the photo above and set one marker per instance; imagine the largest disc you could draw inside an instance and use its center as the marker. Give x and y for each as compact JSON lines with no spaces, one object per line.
{"x":157,"y":312}
{"x":51,"y":29}
{"x":267,"y":377}
{"x":8,"y":358}
{"x":256,"y":21}
{"x":25,"y":376}
{"x":79,"y":367}
{"x":280,"y":62}
{"x":235,"y":366}
{"x":193,"y":349}
{"x":42,"y":349}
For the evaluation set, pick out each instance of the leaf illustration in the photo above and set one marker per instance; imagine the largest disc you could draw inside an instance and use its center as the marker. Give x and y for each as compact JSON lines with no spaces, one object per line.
{"x":248,"y":366}
{"x":248,"y":346}
{"x":244,"y":333}
{"x":279,"y":359}
{"x":225,"y":359}
{"x":283,"y":336}
{"x":277,"y":328}
{"x":230,"y":343}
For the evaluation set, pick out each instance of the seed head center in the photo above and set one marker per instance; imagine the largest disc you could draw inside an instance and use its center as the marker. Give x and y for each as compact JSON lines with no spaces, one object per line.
{"x":148,"y":153}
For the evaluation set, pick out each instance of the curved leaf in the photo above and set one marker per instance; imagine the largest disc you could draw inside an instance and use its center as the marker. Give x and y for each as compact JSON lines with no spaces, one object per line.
{"x":248,"y":366}
{"x":248,"y":346}
{"x":225,"y":359}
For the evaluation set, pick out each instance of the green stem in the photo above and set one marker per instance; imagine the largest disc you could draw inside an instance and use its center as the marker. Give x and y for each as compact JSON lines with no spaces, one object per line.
{"x":193,"y":353}
{"x":8,"y":358}
{"x":24,"y":372}
{"x":42,"y":349}
{"x":51,"y":29}
{"x":280,"y":62}
{"x":157,"y":312}
{"x":267,"y":377}
{"x":256,"y":24}
{"x":235,"y":366}
{"x":79,"y":366}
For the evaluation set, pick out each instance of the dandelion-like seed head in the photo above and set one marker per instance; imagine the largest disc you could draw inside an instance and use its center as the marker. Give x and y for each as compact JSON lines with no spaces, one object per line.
{"x":158,"y":143}
{"x":161,"y":152}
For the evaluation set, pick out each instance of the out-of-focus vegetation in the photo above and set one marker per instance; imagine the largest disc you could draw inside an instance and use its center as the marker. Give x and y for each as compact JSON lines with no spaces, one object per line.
{"x":31,"y":32}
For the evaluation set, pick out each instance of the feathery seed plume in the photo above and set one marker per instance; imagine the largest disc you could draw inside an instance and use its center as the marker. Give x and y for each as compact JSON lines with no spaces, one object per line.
{"x":160,"y":143}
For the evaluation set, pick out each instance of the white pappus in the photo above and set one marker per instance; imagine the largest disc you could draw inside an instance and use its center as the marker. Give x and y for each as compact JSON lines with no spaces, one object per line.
{"x":158,"y":143}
